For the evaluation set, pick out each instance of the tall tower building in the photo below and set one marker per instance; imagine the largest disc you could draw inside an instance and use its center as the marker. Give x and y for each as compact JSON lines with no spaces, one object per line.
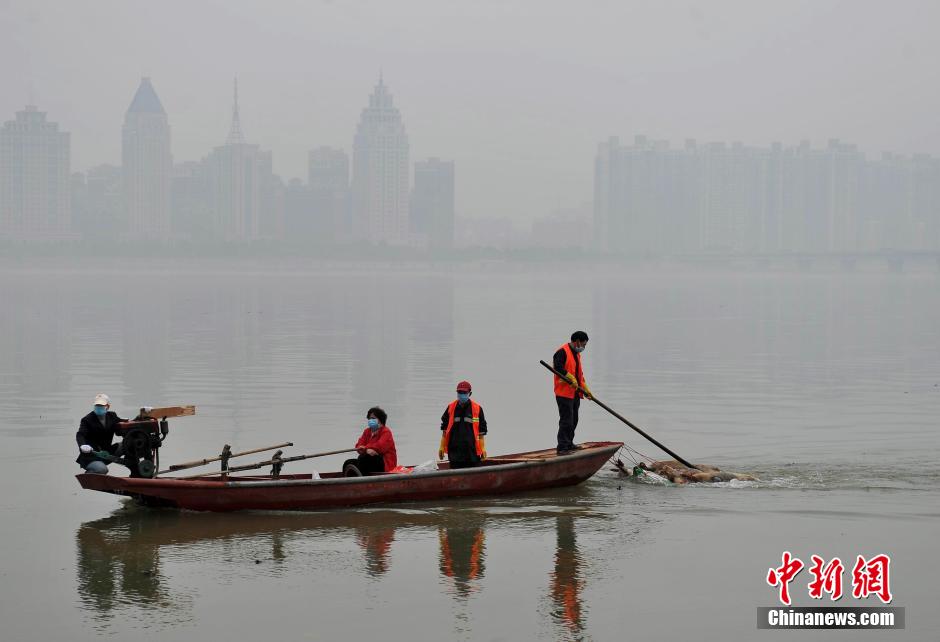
{"x":147,"y":166}
{"x":328,"y":181}
{"x":380,"y":172}
{"x":242,"y":188}
{"x":35,"y":198}
{"x":432,"y":203}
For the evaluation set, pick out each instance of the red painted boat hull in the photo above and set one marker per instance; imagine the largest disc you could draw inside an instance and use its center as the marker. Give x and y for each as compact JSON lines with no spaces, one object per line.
{"x":521,"y":472}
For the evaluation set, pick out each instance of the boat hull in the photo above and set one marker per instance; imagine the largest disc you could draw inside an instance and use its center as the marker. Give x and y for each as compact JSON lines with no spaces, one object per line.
{"x":521,"y":472}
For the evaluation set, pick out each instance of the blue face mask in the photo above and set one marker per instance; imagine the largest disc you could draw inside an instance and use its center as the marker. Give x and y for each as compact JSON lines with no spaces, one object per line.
{"x":373,"y":424}
{"x":463,"y":397}
{"x":579,"y":348}
{"x":101,"y":411}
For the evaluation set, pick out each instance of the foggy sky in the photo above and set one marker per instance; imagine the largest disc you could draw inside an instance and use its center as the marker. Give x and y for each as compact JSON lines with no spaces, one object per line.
{"x":517,"y":93}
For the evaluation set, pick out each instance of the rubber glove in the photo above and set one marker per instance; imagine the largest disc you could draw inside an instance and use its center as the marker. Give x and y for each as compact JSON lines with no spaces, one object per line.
{"x":587,"y":391}
{"x":482,"y":440}
{"x":443,"y":447}
{"x":104,"y":454}
{"x":85,"y":448}
{"x":570,"y":378}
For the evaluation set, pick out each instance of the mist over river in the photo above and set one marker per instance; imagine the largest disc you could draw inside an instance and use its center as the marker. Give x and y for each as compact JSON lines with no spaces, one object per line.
{"x":824,"y":385}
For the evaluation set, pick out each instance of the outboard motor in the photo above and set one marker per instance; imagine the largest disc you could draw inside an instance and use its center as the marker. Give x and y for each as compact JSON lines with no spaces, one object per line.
{"x":143,"y":437}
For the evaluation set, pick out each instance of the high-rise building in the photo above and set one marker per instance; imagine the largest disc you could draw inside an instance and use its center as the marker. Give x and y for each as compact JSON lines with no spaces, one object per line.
{"x":242,"y":188}
{"x":147,"y":166}
{"x":432,"y":204}
{"x":190,"y":215}
{"x":380,"y":172}
{"x":34,"y":178}
{"x":328,"y":184}
{"x":97,"y":203}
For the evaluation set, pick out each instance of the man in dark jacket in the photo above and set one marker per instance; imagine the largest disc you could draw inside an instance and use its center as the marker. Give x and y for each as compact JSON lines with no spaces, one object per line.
{"x":464,"y":430}
{"x":95,"y":434}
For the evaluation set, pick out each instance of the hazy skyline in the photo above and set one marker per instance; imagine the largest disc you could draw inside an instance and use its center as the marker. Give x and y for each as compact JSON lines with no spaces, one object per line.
{"x":517,"y":94}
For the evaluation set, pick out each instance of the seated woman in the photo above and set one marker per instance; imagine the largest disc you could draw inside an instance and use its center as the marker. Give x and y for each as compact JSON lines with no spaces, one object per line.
{"x":376,"y":447}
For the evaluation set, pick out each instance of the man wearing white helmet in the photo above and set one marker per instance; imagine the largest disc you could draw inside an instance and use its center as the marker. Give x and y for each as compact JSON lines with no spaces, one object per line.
{"x":94,"y":436}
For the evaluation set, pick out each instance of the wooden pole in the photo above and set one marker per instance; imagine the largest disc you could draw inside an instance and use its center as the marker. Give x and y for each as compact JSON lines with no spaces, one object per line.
{"x":624,"y":420}
{"x":203,"y":462}
{"x":271,"y":462}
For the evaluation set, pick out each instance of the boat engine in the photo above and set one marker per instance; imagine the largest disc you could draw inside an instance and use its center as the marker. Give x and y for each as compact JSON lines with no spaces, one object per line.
{"x":143,"y":436}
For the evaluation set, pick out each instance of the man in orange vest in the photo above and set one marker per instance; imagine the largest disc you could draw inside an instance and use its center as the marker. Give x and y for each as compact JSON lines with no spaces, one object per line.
{"x":568,"y":360}
{"x":464,"y":430}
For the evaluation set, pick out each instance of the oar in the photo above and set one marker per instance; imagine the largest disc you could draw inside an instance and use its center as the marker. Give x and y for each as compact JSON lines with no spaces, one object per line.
{"x":203,"y":462}
{"x":270,"y":462}
{"x":623,"y":419}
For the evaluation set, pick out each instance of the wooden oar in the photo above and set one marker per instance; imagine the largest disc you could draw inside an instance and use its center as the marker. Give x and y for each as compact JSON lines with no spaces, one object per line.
{"x":623,"y":419}
{"x":203,"y":462}
{"x":271,"y":462}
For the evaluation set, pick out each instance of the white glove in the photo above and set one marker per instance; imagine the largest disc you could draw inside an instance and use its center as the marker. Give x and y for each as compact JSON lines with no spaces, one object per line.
{"x":85,"y":448}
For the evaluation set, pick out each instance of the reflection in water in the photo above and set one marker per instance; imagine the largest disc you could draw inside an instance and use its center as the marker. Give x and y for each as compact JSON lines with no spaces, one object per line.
{"x":149,"y":565}
{"x":376,"y":544}
{"x":119,"y":568}
{"x":461,"y":559}
{"x":566,"y":581}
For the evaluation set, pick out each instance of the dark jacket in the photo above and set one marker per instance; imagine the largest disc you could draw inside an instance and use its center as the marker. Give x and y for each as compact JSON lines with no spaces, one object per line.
{"x":462,"y":443}
{"x":96,"y":435}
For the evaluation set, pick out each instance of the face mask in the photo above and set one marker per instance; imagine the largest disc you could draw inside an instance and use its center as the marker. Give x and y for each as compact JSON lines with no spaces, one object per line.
{"x":373,"y":424}
{"x":101,"y":411}
{"x":579,"y":348}
{"x":463,"y":397}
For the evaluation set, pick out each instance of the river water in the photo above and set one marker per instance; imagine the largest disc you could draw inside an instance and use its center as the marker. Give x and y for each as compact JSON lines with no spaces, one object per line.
{"x":825,"y":385}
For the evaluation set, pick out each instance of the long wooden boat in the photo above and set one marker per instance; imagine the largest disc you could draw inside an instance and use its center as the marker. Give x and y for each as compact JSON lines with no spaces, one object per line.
{"x":500,"y":475}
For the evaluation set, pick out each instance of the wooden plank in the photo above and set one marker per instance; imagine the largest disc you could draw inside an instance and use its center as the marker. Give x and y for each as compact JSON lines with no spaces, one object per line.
{"x":168,"y":411}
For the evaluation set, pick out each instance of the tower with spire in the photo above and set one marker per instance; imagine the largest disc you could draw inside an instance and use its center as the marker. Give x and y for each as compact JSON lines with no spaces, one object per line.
{"x":243,"y":189}
{"x":380,"y":176}
{"x":147,"y":166}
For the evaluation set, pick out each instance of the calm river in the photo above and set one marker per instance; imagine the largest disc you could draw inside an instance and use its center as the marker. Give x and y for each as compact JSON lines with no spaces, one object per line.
{"x":824,"y":385}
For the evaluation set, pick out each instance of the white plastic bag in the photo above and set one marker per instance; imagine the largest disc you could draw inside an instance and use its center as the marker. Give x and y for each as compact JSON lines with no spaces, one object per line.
{"x":427,"y":466}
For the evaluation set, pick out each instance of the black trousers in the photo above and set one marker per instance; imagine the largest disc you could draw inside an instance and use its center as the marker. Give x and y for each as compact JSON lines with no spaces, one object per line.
{"x":463,"y":463}
{"x":367,"y":464}
{"x":567,"y":421}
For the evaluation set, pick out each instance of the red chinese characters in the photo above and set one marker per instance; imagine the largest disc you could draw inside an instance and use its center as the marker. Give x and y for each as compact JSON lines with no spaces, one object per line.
{"x":784,"y":575}
{"x":871,"y":577}
{"x":826,"y":579}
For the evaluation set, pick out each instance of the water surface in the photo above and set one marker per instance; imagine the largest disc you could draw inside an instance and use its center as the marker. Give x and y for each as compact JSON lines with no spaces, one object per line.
{"x":825,"y":385}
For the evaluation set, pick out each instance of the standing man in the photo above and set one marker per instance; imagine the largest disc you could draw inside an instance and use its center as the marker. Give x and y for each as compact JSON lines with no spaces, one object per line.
{"x":464,"y":430}
{"x":568,"y":360}
{"x":95,"y":433}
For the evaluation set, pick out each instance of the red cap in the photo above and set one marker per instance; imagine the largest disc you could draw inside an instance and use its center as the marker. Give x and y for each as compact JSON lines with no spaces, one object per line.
{"x":464,"y":386}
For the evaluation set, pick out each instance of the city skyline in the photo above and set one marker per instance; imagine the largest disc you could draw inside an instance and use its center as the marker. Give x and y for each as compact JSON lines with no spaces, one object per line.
{"x":518,"y":114}
{"x":233,"y":178}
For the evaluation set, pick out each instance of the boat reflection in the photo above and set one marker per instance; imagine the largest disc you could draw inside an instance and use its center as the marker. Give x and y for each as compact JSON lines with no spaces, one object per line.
{"x":156,"y":562}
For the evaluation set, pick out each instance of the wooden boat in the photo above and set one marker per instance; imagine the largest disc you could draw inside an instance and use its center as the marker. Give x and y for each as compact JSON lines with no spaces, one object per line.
{"x":500,"y":475}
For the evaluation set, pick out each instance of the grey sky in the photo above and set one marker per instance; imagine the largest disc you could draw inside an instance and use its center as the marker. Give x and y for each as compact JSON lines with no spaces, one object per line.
{"x":517,"y":93}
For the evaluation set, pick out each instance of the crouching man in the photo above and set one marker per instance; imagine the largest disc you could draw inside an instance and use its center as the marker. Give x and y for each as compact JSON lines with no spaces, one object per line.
{"x":95,"y":434}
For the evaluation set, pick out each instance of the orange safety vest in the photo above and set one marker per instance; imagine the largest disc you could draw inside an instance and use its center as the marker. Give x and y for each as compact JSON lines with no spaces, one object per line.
{"x":572,"y":365}
{"x":474,"y":420}
{"x":476,"y":551}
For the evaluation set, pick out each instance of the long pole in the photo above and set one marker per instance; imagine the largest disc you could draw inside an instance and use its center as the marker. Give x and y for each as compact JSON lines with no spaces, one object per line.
{"x":624,"y":420}
{"x":203,"y":462}
{"x":270,"y":462}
